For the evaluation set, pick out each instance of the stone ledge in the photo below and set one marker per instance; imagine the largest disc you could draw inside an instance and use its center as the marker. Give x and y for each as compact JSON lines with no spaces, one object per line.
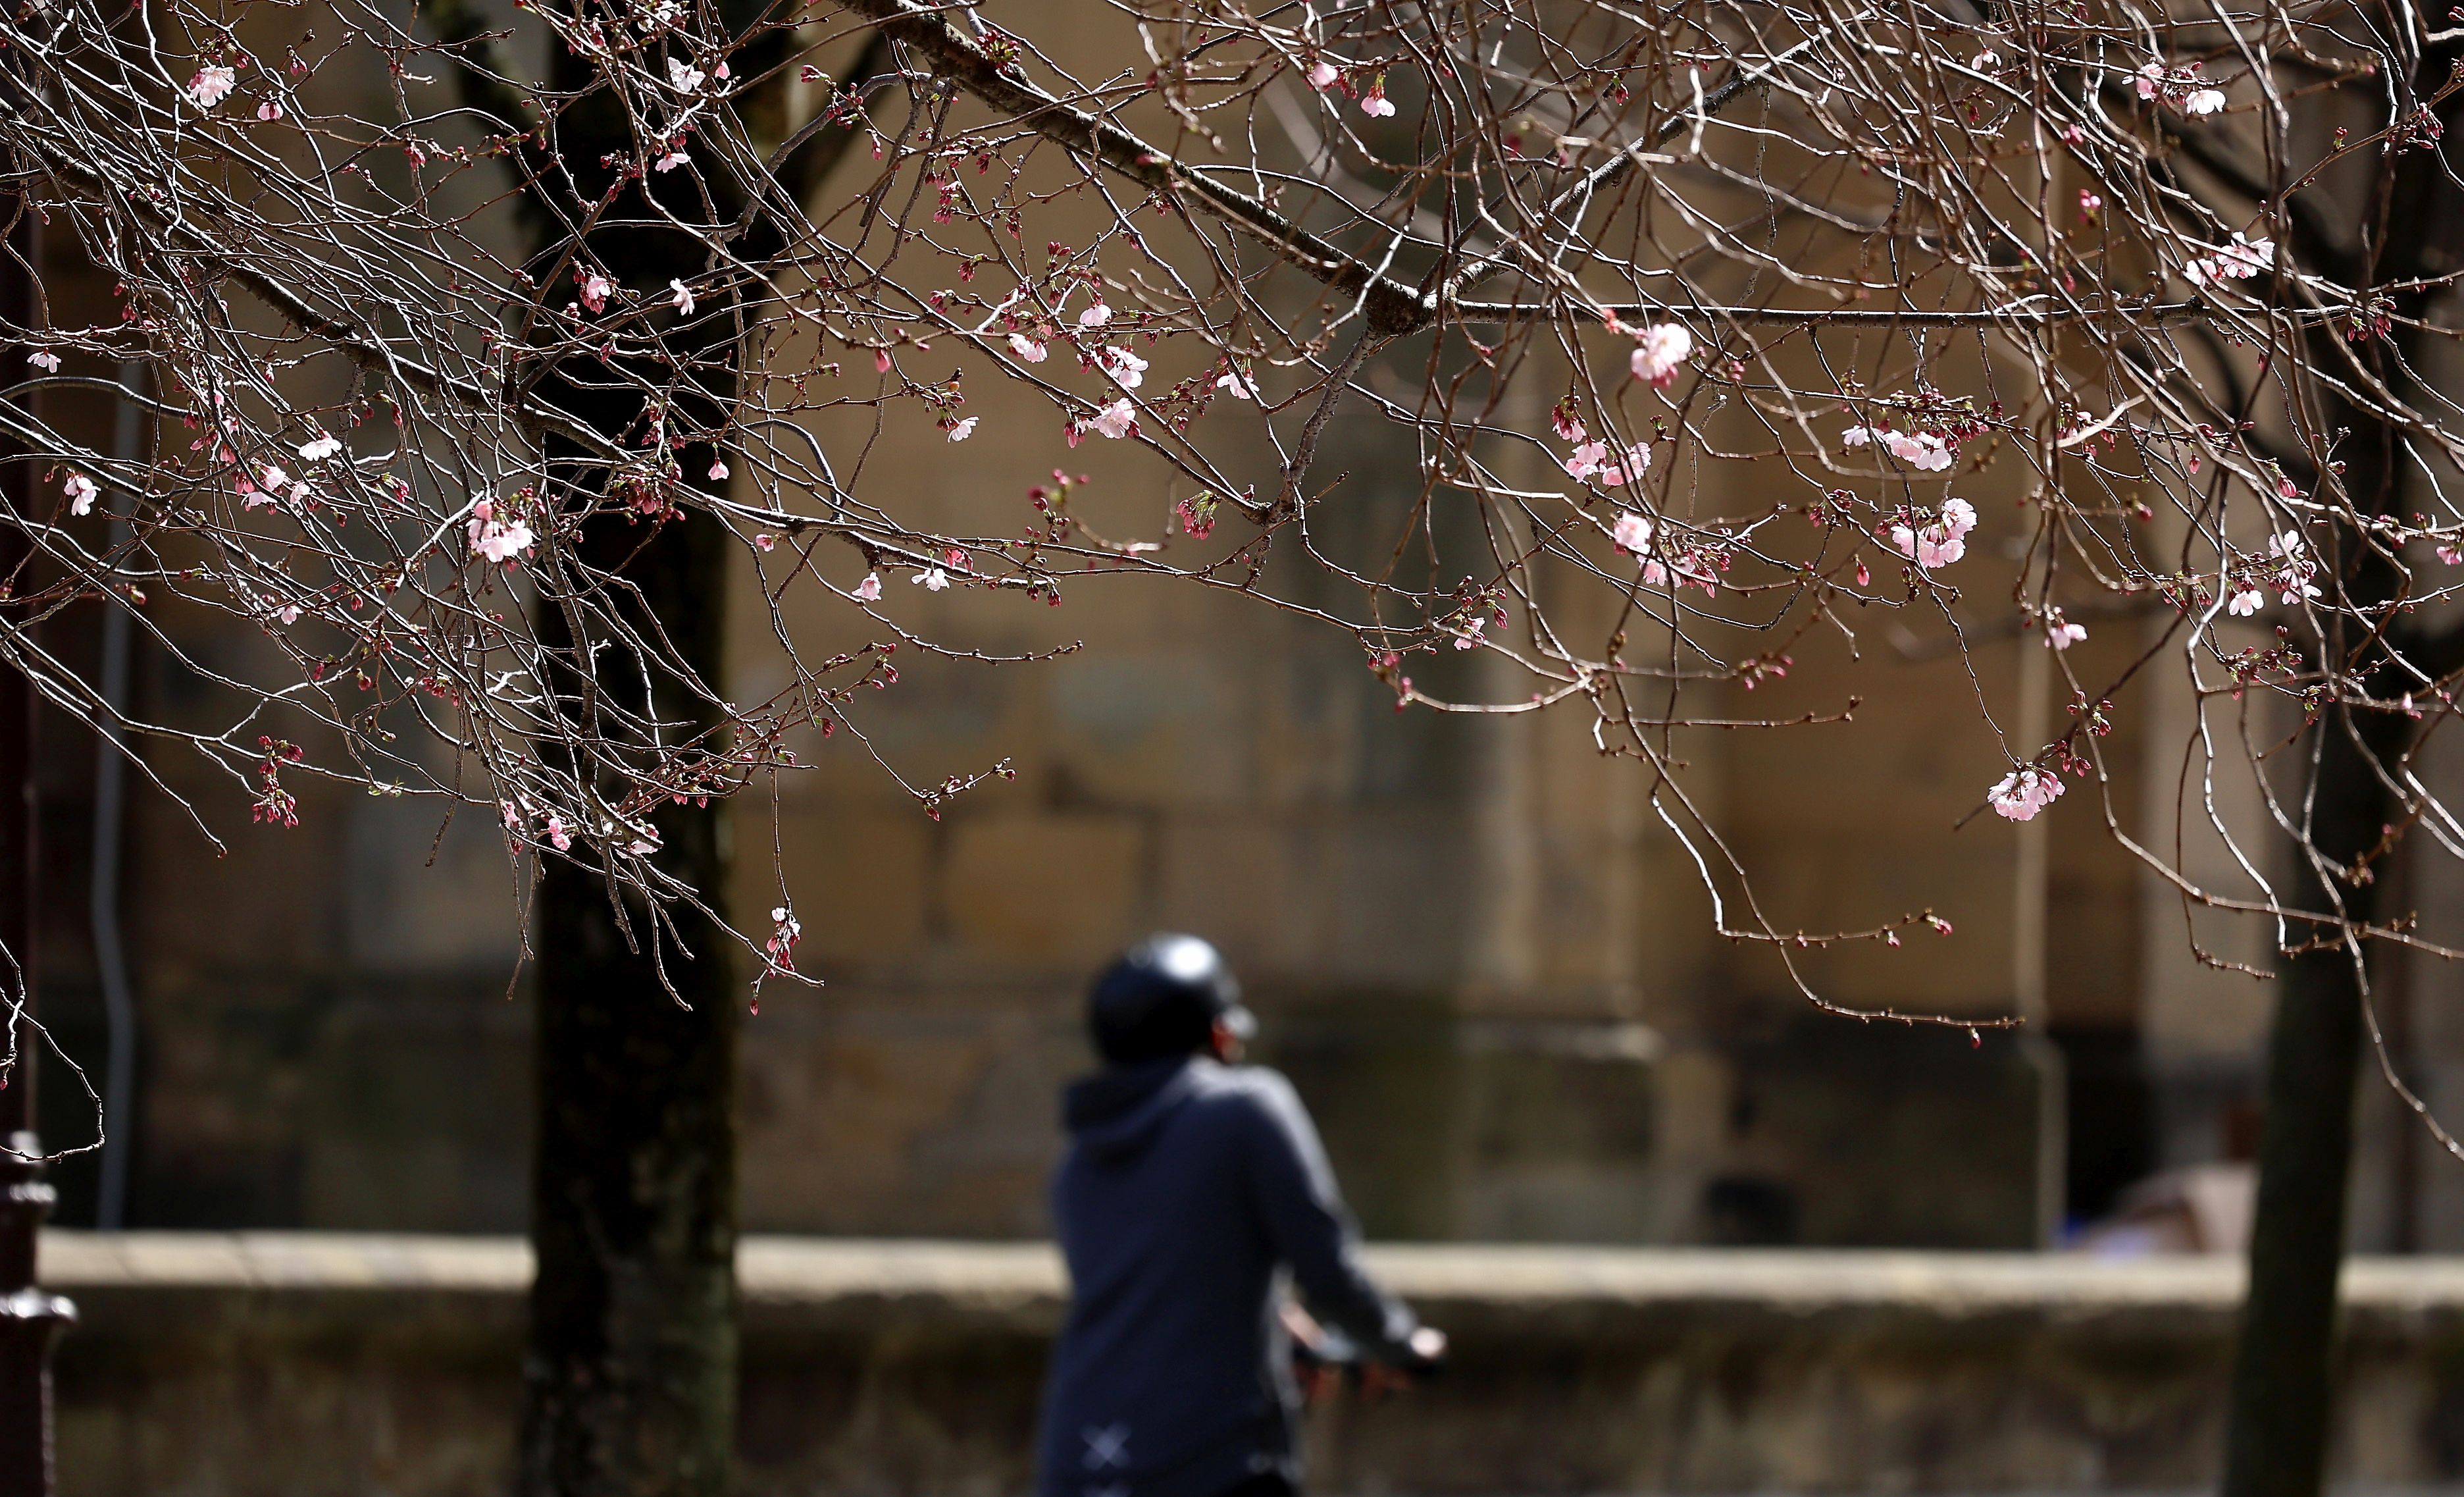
{"x":1485,"y":1292}
{"x":221,"y":1365}
{"x":788,"y":1270}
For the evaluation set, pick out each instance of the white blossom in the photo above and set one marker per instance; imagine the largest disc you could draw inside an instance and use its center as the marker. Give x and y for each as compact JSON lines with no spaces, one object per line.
{"x":211,"y":85}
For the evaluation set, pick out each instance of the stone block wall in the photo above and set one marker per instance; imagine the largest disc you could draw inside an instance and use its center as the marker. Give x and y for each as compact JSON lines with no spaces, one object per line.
{"x":304,"y":1366}
{"x":1489,"y":965}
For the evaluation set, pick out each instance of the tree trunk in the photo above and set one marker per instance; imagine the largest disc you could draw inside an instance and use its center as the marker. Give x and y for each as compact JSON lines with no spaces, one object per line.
{"x":630,"y":1379}
{"x":630,"y":1376}
{"x":2276,"y":1442}
{"x":2284,"y":1366}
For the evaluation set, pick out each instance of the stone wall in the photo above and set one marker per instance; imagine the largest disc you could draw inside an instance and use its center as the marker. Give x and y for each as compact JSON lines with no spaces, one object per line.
{"x":278,"y":1365}
{"x":1487,"y":963}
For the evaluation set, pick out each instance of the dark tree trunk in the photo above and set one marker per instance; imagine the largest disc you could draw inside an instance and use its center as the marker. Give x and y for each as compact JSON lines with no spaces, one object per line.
{"x":2283,"y":1368}
{"x":630,"y":1379}
{"x":2282,"y":1398}
{"x":630,"y":1375}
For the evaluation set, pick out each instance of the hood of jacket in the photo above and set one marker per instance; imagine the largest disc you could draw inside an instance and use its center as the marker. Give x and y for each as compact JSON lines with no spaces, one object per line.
{"x":1116,"y":1114}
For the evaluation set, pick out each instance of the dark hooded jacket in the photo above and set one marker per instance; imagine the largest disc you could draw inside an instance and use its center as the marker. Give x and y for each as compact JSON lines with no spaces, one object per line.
{"x":1187,"y":1186}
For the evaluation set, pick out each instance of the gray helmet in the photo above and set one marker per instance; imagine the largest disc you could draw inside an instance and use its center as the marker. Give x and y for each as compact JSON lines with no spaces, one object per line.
{"x":1162,"y":999}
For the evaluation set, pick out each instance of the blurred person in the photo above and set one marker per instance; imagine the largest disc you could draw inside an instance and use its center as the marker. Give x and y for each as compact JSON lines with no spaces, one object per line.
{"x":1192,"y":1186}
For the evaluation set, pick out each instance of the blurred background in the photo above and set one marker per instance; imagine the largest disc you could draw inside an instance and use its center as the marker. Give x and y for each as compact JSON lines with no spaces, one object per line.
{"x":1493,"y":974}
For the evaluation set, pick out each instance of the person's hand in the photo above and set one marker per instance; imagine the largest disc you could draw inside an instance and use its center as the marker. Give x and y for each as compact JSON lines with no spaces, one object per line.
{"x":1311,"y":1369}
{"x":1427,"y":1347}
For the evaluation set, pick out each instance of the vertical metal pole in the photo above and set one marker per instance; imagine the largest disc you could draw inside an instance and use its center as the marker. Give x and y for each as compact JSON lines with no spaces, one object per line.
{"x":2037,"y":1051}
{"x":29,"y":1318}
{"x":110,"y":803}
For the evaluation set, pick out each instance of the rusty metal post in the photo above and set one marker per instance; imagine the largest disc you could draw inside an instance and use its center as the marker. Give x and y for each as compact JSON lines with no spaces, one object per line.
{"x":30,"y":1319}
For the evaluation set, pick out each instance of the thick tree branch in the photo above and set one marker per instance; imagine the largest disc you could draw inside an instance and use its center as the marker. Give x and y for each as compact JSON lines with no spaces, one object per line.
{"x":1393,"y":307}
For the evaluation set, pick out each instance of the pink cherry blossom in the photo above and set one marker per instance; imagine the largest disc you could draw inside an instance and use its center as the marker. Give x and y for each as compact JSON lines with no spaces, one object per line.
{"x":1026,"y":348}
{"x":1930,"y":549}
{"x":1922,"y":450}
{"x":1632,"y":532}
{"x":211,"y":85}
{"x":2182,"y":87}
{"x":2025,"y":791}
{"x":2239,"y":260}
{"x":1375,"y":103}
{"x":961,"y":430}
{"x":870,"y":590}
{"x":684,"y":76}
{"x":2294,"y":568}
{"x":502,"y":543}
{"x":496,"y":540}
{"x":1939,"y":543}
{"x":595,"y":291}
{"x":1629,"y":470}
{"x":672,"y":160}
{"x":2061,"y":635}
{"x":681,"y":294}
{"x":1095,"y":315}
{"x":717,"y":468}
{"x":270,"y":110}
{"x":1690,"y":570}
{"x":321,"y":446}
{"x":1116,"y":420}
{"x":80,"y":490}
{"x":44,"y":359}
{"x":1324,"y":74}
{"x":1128,"y":370}
{"x":1591,"y":460}
{"x":933,"y":579}
{"x":558,"y":835}
{"x":1659,"y":352}
{"x":2244,"y":602}
{"x":786,"y":930}
{"x":1237,"y":383}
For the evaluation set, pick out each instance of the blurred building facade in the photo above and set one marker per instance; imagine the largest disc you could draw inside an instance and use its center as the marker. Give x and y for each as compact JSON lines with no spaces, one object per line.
{"x":1490,"y":970}
{"x":1487,"y":964}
